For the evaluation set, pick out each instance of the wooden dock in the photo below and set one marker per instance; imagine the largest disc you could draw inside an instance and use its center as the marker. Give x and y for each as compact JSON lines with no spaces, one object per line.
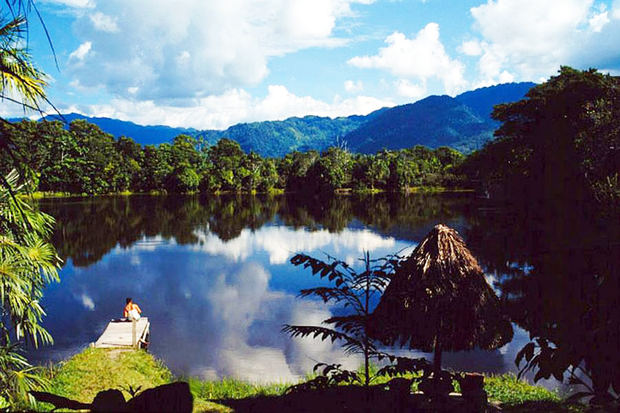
{"x":125,"y":334}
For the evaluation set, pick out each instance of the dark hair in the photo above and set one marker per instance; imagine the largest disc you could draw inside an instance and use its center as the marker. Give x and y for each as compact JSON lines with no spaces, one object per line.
{"x":128,"y":300}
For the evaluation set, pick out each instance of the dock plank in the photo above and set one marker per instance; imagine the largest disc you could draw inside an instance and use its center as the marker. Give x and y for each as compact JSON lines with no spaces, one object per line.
{"x":118,"y":334}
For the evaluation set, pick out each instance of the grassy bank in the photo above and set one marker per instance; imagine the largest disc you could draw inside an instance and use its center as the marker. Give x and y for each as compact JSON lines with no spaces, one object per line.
{"x":274,"y":191}
{"x":85,"y":374}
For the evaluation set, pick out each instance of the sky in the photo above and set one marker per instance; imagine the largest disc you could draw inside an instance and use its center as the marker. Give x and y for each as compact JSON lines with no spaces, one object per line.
{"x":209,"y":64}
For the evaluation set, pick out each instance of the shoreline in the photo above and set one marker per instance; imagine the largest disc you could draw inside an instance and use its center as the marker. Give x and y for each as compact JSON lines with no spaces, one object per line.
{"x":343,"y":191}
{"x":84,"y":374}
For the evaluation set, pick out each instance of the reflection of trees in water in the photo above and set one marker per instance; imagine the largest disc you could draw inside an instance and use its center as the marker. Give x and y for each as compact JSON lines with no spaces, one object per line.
{"x":88,"y":228}
{"x":229,"y":215}
{"x":560,"y":279}
{"x":559,"y":268}
{"x":401,"y":215}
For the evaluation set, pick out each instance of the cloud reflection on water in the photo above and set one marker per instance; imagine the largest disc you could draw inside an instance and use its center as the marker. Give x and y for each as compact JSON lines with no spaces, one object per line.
{"x":217,"y":307}
{"x":214,"y":309}
{"x":280,"y":243}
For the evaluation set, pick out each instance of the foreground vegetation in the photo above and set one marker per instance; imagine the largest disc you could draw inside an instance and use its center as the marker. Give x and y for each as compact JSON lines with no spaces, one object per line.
{"x":557,"y":160}
{"x":93,"y":370}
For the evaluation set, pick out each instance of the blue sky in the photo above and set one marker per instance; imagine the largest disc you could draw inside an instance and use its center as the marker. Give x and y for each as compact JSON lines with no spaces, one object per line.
{"x":214,"y":63}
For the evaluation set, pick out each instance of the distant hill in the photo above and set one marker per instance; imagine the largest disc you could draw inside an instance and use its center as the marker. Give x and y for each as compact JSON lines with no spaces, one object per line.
{"x":462,"y":122}
{"x":277,"y":138}
{"x":433,"y":122}
{"x":145,"y":135}
{"x":482,"y":100}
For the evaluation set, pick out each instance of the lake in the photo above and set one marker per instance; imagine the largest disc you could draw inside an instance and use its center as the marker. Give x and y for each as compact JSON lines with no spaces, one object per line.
{"x":214,"y":278}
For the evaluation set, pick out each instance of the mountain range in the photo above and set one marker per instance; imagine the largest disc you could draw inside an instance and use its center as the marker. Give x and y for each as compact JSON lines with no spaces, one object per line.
{"x":462,"y":122}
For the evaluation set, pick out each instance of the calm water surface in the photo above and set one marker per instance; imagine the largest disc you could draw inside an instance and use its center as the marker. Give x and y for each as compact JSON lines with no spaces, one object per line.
{"x":212,"y":274}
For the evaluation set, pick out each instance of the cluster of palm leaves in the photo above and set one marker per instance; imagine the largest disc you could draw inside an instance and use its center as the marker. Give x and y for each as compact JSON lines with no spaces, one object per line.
{"x":27,"y":261}
{"x":21,"y":80}
{"x":27,"y":264}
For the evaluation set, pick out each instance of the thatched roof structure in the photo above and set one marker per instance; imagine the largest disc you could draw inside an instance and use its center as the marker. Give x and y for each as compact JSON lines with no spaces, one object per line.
{"x":439,"y":299}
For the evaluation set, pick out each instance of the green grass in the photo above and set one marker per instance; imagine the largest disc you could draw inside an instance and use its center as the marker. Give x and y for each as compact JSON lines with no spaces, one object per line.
{"x":85,"y":374}
{"x":229,"y":388}
{"x":511,"y":391}
{"x":82,"y":376}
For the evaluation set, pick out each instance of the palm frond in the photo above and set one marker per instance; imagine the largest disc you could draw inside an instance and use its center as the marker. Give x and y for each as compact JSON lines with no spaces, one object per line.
{"x":334,"y":294}
{"x":351,"y":344}
{"x":18,"y":74}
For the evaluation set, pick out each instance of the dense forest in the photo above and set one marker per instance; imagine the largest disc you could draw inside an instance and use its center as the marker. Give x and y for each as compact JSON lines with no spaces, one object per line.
{"x":85,"y":160}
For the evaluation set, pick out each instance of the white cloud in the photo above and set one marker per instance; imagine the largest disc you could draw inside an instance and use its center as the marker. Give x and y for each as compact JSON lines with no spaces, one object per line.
{"x":530,"y":27}
{"x":598,"y":21}
{"x":186,"y":49}
{"x":471,"y":48}
{"x":353,"y":86}
{"x":409,"y":90}
{"x":421,"y":58}
{"x":103,"y":22}
{"x":615,"y":9}
{"x":81,"y":52}
{"x":230,"y":107}
{"x":72,"y":3}
{"x":530,"y":39}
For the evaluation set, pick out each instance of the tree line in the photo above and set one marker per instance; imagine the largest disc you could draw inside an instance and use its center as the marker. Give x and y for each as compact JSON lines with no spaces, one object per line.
{"x":82,"y":159}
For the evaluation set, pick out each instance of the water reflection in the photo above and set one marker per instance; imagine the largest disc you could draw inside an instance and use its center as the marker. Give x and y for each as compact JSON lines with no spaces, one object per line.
{"x":87,"y":229}
{"x":213,"y":274}
{"x":558,"y":269}
{"x":280,"y":243}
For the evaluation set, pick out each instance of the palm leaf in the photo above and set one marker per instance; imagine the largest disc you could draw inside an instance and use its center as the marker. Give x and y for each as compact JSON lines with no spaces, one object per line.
{"x":351,"y":345}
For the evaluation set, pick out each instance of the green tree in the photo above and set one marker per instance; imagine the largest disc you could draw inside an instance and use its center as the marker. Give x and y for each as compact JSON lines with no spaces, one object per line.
{"x":131,"y":160}
{"x":269,"y":178}
{"x":251,"y":172}
{"x":293,"y":169}
{"x":185,"y":160}
{"x":96,"y":162}
{"x":227,"y":159}
{"x":560,"y":143}
{"x":554,"y":152}
{"x":402,"y":172}
{"x":331,"y":171}
{"x":155,"y":168}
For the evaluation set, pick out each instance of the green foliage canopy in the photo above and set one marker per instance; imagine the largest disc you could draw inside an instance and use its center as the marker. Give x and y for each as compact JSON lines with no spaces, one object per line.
{"x":84,"y":160}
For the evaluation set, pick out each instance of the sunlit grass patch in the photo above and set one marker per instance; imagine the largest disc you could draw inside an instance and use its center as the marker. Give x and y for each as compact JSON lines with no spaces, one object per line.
{"x":84,"y":375}
{"x":229,"y":388}
{"x":510,"y":390}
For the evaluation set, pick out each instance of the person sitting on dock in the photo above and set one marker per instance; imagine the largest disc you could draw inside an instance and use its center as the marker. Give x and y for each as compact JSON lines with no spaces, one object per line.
{"x":132,"y":310}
